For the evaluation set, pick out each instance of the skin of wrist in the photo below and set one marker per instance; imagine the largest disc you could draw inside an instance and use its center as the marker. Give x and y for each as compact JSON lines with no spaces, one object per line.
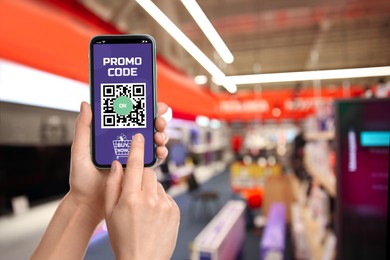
{"x":71,"y":217}
{"x":87,"y":210}
{"x":125,"y":256}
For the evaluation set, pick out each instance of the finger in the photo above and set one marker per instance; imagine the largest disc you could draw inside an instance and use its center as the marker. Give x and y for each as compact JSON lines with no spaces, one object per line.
{"x":161,"y":152}
{"x":162,"y":108}
{"x":159,"y":161}
{"x":161,"y":124}
{"x":161,"y":192}
{"x":149,"y":182}
{"x":132,"y":181}
{"x":161,"y":138}
{"x":82,"y":132}
{"x":113,"y":188}
{"x":173,"y":204}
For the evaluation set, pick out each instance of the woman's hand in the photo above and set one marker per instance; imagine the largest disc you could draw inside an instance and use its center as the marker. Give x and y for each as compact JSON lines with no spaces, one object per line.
{"x":142,"y":220}
{"x":86,"y":181}
{"x":82,"y":209}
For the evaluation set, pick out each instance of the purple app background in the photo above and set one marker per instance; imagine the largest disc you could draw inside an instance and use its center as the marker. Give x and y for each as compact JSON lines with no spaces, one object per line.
{"x":104,"y":150}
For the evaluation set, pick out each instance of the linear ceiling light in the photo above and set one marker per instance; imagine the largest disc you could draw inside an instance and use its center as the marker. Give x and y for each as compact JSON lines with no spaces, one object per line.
{"x":310,"y":75}
{"x":209,"y":30}
{"x":186,"y":43}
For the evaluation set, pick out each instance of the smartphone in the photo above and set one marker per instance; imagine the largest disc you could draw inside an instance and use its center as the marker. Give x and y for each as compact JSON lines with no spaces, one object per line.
{"x":123,"y":96}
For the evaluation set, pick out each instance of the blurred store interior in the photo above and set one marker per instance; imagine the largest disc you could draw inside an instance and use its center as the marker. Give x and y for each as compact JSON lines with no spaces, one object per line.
{"x":279,"y":137}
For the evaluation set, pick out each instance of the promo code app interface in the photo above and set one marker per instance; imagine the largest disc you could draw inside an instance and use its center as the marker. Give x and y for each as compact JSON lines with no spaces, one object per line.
{"x":123,"y":99}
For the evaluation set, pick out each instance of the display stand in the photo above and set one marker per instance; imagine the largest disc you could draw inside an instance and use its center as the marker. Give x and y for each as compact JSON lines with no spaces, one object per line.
{"x":317,"y":162}
{"x":252,"y":176}
{"x":224,"y":236}
{"x":272,"y":244}
{"x":203,"y":173}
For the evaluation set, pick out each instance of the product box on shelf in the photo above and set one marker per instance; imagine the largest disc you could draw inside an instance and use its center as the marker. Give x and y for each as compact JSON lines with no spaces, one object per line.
{"x":272,"y":244}
{"x":223,"y":237}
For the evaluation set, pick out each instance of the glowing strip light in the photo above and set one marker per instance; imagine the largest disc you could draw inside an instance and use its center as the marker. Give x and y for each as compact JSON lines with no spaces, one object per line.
{"x":310,"y":75}
{"x":28,"y":86}
{"x":186,"y":43}
{"x":375,"y":138}
{"x":200,"y":79}
{"x":209,"y":30}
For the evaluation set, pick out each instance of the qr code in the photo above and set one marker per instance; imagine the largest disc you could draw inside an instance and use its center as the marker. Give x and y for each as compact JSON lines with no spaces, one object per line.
{"x":116,"y":116}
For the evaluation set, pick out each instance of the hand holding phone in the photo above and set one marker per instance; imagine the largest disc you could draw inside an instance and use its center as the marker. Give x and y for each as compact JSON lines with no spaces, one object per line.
{"x":123,"y":96}
{"x":152,"y":216}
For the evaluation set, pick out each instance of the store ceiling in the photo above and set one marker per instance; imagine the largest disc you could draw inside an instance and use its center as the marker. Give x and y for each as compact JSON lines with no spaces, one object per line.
{"x":268,"y":36}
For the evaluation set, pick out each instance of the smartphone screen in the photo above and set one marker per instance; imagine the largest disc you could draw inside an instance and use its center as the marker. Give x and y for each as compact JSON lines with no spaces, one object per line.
{"x":123,"y":96}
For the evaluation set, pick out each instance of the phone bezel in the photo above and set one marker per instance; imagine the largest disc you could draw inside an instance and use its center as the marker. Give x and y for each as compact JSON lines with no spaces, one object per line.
{"x":112,"y":39}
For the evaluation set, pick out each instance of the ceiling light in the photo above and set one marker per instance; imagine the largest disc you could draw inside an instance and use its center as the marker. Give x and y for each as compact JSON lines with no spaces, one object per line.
{"x":209,"y":30}
{"x":186,"y":43}
{"x":276,"y":112}
{"x":200,"y":79}
{"x":310,"y":75}
{"x":215,"y":123}
{"x":203,"y":121}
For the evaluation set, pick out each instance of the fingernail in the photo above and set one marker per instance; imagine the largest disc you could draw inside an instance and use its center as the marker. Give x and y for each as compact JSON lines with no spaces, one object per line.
{"x":138,"y":137}
{"x":164,"y":153}
{"x":163,"y":136}
{"x":113,"y":167}
{"x":81,"y":107}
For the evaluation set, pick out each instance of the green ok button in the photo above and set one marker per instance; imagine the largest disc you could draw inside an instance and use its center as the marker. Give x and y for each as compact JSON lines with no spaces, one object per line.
{"x":123,"y":105}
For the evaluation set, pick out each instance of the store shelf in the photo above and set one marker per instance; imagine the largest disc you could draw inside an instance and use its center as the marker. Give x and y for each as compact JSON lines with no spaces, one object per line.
{"x":203,"y":148}
{"x":307,"y":229}
{"x":321,"y":247}
{"x":320,"y":136}
{"x":312,"y":229}
{"x":203,"y":173}
{"x":328,"y":181}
